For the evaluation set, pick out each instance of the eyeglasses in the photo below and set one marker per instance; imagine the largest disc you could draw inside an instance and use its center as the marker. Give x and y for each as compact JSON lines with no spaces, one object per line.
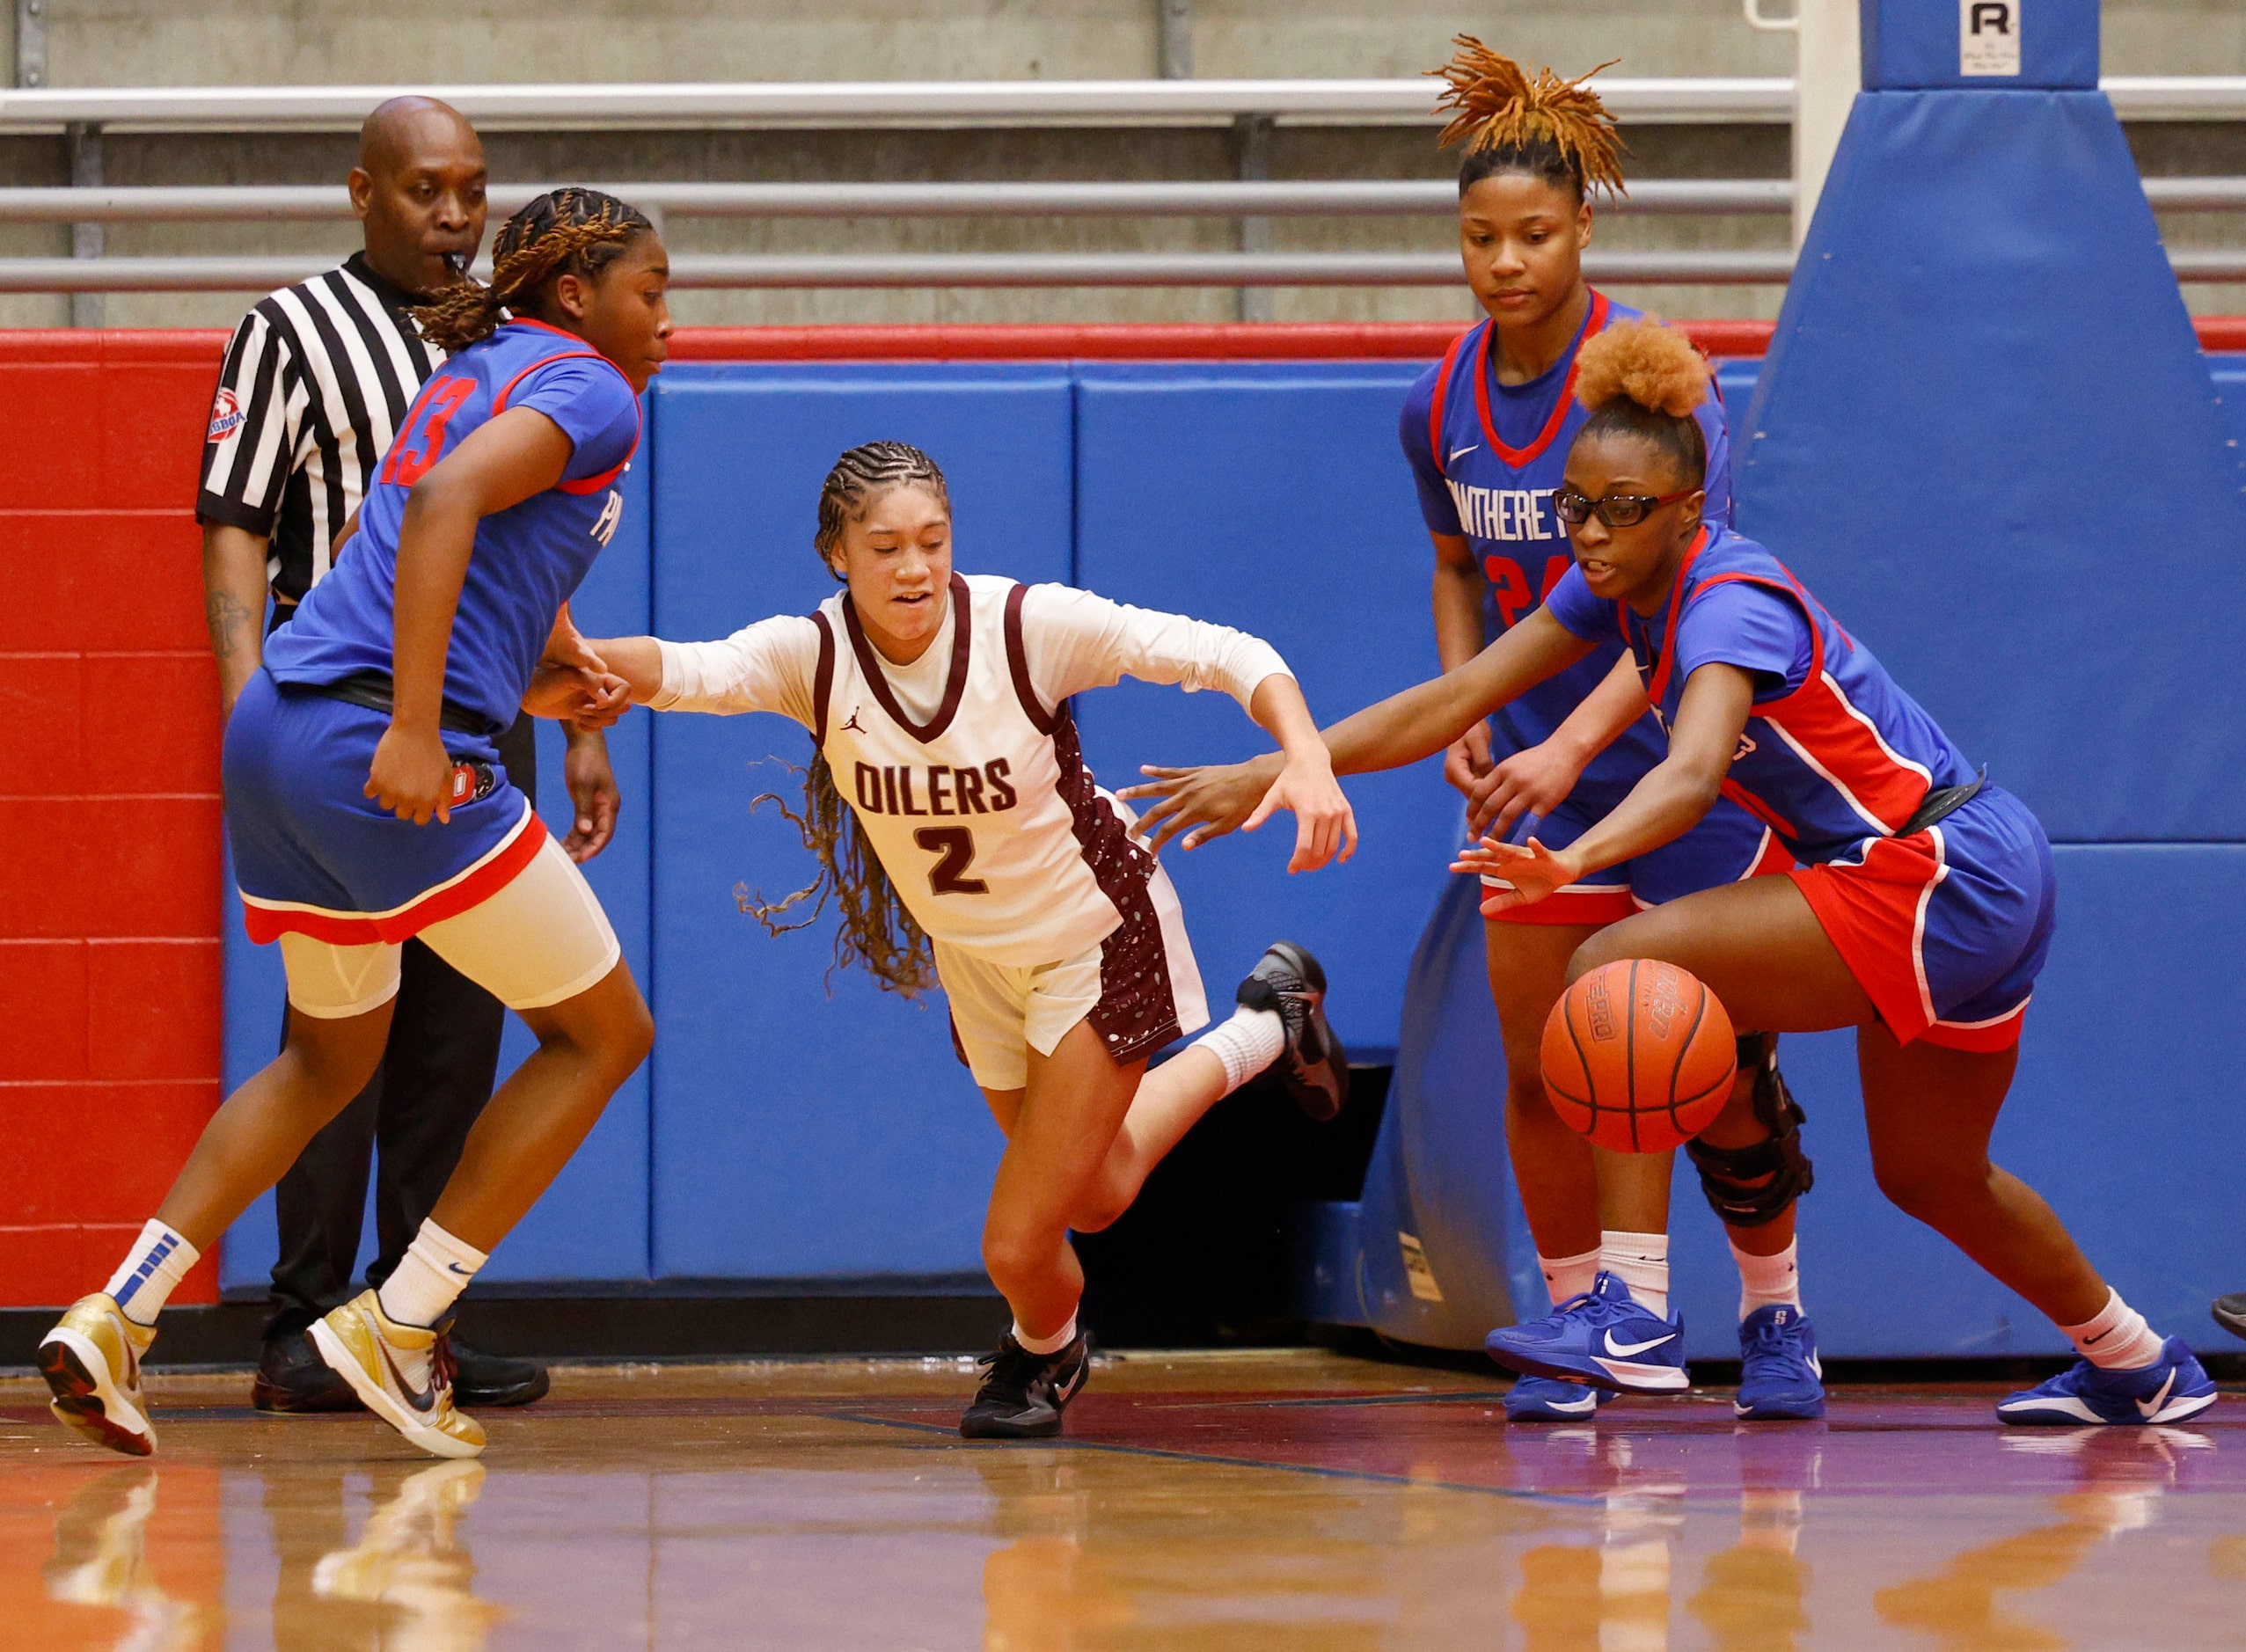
{"x":1616,"y":510}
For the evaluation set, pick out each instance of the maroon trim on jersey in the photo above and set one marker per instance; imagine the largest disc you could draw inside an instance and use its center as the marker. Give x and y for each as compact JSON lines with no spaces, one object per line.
{"x":1018,"y":665}
{"x":1137,"y":1012}
{"x":1442,"y":395}
{"x":822,"y":679}
{"x":1593,"y":323}
{"x":963,"y":628}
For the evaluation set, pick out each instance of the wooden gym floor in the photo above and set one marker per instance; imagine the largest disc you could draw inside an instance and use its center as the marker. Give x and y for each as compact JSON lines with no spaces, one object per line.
{"x":1296,"y":1500}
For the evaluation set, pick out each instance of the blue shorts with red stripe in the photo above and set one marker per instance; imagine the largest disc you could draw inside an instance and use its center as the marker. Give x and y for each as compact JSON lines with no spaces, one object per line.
{"x":314,"y":854}
{"x":1946,"y":930}
{"x":1729,"y":844}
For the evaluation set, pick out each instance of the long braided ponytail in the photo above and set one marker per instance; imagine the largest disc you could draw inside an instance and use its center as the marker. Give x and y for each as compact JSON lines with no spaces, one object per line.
{"x":878,"y":932}
{"x":572,"y":229}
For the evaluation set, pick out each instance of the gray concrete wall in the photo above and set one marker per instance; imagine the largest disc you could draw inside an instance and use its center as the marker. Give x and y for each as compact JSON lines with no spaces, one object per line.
{"x":120,"y":42}
{"x":233,"y":41}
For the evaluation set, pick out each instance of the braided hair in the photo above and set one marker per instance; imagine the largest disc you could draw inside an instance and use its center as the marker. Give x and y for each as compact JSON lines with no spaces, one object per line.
{"x":1555,"y":129}
{"x":1646,"y":380}
{"x":878,"y":932}
{"x":568,"y":231}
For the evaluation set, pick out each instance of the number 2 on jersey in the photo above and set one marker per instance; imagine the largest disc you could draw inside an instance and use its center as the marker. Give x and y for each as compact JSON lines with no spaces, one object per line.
{"x":954,"y":846}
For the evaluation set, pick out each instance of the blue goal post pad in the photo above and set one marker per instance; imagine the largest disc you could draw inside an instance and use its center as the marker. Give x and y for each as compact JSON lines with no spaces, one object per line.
{"x":1985,"y":437}
{"x":1920,"y":45}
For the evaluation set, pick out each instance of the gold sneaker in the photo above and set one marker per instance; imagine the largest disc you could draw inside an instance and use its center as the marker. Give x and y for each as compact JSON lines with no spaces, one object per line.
{"x":361,"y":1344}
{"x":92,"y":1359}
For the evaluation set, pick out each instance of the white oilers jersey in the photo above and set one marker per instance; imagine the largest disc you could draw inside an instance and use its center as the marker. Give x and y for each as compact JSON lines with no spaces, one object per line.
{"x":984,"y":816}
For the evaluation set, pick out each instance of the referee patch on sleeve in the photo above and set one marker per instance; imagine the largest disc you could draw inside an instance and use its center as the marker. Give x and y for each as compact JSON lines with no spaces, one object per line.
{"x":225,"y":415}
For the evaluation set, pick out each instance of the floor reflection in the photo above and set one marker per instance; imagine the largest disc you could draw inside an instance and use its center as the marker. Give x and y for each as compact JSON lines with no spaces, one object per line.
{"x":100,"y":1559}
{"x":1251,"y":1506}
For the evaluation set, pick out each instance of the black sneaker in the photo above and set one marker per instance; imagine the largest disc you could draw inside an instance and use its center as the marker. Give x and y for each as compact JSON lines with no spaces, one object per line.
{"x":2230,"y":1312}
{"x":481,"y":1380}
{"x":1314,"y":1066}
{"x":292,"y":1377}
{"x":1022,"y":1397}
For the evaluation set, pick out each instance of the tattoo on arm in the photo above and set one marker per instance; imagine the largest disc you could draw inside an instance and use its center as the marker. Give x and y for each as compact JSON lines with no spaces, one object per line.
{"x":227,"y":615}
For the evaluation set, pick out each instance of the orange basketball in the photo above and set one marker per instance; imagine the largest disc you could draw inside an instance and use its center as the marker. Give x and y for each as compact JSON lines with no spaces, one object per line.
{"x":1639,"y":1056}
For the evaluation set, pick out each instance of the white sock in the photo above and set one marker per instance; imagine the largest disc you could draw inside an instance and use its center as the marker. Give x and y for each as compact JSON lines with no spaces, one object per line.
{"x":1640,"y":1261}
{"x":1052,"y":1344}
{"x":158,"y":1261}
{"x":2118,"y":1340}
{"x":1566,"y":1277}
{"x":434,"y":1270}
{"x":1768,"y":1281}
{"x":1246,"y":1044}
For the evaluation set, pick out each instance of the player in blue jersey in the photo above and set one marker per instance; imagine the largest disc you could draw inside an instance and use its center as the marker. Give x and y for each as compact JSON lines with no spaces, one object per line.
{"x":366,"y":804}
{"x":1921,"y":915}
{"x":1487,"y":432}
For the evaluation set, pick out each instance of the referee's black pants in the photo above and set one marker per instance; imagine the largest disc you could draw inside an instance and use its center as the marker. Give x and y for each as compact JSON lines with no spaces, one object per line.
{"x":411,"y":1120}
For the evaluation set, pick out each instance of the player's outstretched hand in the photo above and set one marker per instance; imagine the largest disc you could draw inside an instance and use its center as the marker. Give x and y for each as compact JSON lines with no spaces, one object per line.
{"x":411,"y":776}
{"x":572,"y":693}
{"x":1533,"y":871}
{"x":1325,"y":825}
{"x":1203,"y":802}
{"x":1533,"y":782}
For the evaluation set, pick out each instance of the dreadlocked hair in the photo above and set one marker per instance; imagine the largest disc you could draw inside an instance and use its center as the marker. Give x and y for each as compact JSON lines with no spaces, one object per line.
{"x":878,"y":932}
{"x":1549,"y":127}
{"x":1644,"y":379}
{"x":573,"y":231}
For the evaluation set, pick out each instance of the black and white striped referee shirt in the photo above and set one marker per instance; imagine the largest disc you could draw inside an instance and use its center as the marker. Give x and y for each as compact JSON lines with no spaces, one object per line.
{"x":317,"y":379}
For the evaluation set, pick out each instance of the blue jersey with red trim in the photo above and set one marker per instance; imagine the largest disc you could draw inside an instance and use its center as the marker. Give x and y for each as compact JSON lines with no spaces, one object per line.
{"x":1488,"y":458}
{"x":1835,"y":753}
{"x":527,"y":559}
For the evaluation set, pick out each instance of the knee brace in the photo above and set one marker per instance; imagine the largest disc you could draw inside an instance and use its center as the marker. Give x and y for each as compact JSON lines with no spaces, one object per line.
{"x":1729,"y":1175}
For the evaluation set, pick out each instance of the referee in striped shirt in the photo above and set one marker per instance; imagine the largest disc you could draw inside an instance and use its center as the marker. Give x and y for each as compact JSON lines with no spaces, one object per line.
{"x":317,"y":378}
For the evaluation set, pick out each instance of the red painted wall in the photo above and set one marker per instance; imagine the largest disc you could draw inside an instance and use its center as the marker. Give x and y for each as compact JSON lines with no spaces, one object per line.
{"x":109,"y":817}
{"x":109,"y":807}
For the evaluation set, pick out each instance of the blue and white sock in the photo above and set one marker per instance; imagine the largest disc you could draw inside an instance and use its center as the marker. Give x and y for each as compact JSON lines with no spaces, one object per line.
{"x":151,"y":1270}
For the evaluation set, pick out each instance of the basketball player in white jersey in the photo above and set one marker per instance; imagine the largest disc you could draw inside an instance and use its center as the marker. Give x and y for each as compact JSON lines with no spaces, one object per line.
{"x":968,"y":846}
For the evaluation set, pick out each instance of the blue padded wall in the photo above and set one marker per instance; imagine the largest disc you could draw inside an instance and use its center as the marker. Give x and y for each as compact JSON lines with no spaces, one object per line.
{"x":592,"y":1224}
{"x":798,"y":1136}
{"x":1273,"y":498}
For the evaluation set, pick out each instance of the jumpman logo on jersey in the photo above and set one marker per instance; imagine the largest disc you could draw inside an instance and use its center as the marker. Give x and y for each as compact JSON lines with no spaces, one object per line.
{"x":852,"y":724}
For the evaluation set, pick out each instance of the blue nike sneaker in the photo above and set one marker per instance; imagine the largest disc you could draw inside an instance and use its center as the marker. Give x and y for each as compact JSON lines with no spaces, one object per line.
{"x":1779,"y":1378}
{"x":2171,"y":1389}
{"x":1541,"y":1400}
{"x":1602,"y":1337}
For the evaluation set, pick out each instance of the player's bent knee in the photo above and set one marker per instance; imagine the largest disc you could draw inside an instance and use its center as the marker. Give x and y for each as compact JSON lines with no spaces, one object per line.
{"x":1754,"y":1183}
{"x":1930,"y":1192}
{"x":1607,"y":947}
{"x":1013,"y":1257}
